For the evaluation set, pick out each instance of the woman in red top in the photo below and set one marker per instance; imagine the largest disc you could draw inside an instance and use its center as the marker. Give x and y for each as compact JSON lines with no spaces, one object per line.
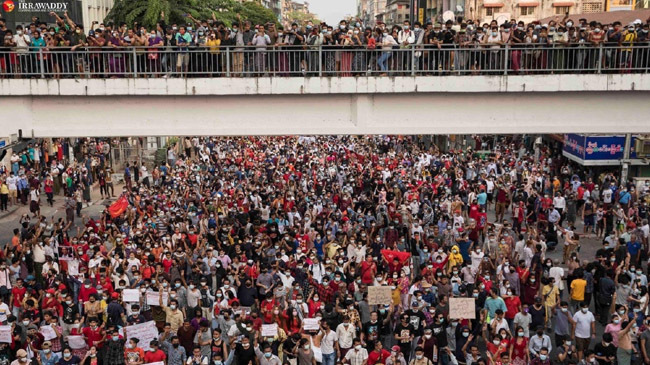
{"x":292,"y":323}
{"x":519,"y":348}
{"x":313,"y":303}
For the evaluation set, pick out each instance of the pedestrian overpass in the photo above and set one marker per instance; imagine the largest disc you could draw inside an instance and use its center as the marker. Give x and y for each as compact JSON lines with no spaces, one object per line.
{"x":566,"y":103}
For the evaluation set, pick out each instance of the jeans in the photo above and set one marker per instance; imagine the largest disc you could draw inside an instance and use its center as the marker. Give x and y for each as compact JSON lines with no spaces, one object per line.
{"x":383,"y":61}
{"x":329,"y":359}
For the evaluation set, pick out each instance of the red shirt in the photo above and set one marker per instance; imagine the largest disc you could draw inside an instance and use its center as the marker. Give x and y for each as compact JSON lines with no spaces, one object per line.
{"x":93,"y":336}
{"x":19,"y":295}
{"x":375,"y":357}
{"x":155,"y":356}
{"x":84,"y":294}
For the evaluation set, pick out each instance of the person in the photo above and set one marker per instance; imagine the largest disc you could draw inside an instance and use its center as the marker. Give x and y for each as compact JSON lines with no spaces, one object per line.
{"x":625,"y":347}
{"x":356,"y":356}
{"x":584,"y":329}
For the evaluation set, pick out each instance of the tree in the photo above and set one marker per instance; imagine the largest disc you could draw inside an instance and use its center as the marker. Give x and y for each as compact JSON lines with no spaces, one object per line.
{"x":147,"y":12}
{"x":302,"y":18}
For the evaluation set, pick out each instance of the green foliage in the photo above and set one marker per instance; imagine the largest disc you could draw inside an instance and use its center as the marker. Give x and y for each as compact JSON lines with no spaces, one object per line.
{"x":302,"y":18}
{"x":147,"y":12}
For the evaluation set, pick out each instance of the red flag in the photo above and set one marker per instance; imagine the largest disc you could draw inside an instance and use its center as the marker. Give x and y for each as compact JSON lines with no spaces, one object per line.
{"x":390,"y":255}
{"x":118,"y":207}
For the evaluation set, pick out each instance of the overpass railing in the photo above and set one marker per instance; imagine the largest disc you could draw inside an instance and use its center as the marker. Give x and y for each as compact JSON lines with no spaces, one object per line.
{"x":285,"y":61}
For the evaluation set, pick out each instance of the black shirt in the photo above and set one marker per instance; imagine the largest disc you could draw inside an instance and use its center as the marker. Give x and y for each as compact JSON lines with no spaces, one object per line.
{"x":404,"y":331}
{"x":245,"y":356}
{"x":69,"y":313}
{"x":605,"y":351}
{"x":416,"y":318}
{"x":372,"y":331}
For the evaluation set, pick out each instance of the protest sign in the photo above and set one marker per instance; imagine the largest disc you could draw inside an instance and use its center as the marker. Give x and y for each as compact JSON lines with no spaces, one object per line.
{"x":270,"y":330}
{"x":131,"y":295}
{"x":311,"y":324}
{"x":153,"y":298}
{"x":462,"y":308}
{"x":5,"y":334}
{"x":48,"y":333}
{"x":76,"y":342}
{"x":145,"y":332}
{"x":379,"y":295}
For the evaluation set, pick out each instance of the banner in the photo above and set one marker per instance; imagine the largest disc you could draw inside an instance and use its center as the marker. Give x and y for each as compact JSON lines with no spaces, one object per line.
{"x":145,"y":332}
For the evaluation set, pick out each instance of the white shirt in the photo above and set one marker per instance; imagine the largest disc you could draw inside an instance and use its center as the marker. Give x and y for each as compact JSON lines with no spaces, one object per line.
{"x":607,"y":195}
{"x":583,"y":324}
{"x":327,"y":342}
{"x":345,"y":336}
{"x":559,"y":202}
{"x":557,"y":273}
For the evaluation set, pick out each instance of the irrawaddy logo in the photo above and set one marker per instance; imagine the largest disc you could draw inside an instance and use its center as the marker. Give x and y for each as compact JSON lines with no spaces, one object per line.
{"x":8,"y":6}
{"x":34,"y":6}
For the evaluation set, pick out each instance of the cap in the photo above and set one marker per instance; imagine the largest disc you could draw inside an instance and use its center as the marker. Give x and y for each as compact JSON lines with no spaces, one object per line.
{"x":415,"y":303}
{"x":115,"y":295}
{"x":30,"y":278}
{"x":47,"y":344}
{"x":21,"y":353}
{"x":32,"y":327}
{"x":51,"y":291}
{"x":394,"y":348}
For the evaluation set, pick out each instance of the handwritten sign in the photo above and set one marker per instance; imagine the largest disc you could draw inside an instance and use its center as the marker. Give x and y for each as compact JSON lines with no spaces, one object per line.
{"x":310,"y":324}
{"x":244,"y":311}
{"x":131,"y":295}
{"x":270,"y":330}
{"x":379,"y":295}
{"x":145,"y":332}
{"x":153,"y":298}
{"x":462,"y":308}
{"x":76,"y":342}
{"x":5,"y":334}
{"x":48,"y":333}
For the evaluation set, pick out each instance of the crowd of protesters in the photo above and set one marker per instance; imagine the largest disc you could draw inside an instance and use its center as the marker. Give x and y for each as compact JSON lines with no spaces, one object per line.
{"x":200,"y":48}
{"x":240,"y":233}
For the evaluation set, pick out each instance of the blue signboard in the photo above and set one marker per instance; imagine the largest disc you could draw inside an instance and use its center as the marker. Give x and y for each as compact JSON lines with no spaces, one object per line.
{"x":597,"y":148}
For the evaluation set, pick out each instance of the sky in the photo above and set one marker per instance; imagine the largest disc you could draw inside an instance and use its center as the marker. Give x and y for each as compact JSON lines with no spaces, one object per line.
{"x":332,"y":11}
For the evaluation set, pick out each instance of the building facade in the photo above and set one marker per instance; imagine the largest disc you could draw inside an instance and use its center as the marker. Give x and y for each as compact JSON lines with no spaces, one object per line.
{"x":371,"y":11}
{"x":397,"y":11}
{"x":528,"y":10}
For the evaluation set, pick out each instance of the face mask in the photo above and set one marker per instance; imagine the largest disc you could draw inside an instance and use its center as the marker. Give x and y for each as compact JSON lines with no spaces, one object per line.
{"x":67,"y":355}
{"x":268,"y":355}
{"x":565,"y":310}
{"x":542,"y":357}
{"x":465,"y":334}
{"x":129,"y":346}
{"x":172,"y":307}
{"x":47,"y":351}
{"x":584,"y":310}
{"x":521,"y":334}
{"x":419,"y":357}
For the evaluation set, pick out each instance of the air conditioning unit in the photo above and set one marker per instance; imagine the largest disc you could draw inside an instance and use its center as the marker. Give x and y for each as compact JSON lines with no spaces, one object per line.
{"x":642,"y":147}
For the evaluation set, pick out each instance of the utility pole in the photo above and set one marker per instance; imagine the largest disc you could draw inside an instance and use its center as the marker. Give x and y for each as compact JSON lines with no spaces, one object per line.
{"x":626,"y":158}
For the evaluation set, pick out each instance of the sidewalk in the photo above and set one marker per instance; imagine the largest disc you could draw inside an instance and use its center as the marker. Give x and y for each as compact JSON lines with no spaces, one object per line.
{"x":49,"y":211}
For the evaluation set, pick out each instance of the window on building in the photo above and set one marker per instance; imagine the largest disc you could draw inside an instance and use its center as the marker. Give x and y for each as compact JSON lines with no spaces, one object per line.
{"x":527,"y":10}
{"x":561,"y":10}
{"x":399,"y":18}
{"x":489,"y":11}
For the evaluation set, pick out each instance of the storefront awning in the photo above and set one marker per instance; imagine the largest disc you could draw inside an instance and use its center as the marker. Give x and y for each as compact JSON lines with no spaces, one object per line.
{"x":563,"y":3}
{"x":493,"y":5}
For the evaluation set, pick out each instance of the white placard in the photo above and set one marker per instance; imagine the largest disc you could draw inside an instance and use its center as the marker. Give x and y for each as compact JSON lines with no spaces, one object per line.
{"x":76,"y":342}
{"x":5,"y":334}
{"x":311,"y":324}
{"x":131,"y":295}
{"x":48,"y":333}
{"x":153,"y":298}
{"x":270,"y":330}
{"x":145,"y":332}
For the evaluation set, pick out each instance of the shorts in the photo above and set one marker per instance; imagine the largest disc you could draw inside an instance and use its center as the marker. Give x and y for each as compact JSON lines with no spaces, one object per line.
{"x":500,"y":208}
{"x":13,"y":193}
{"x":589,"y":220}
{"x":582,"y":344}
{"x":183,"y":60}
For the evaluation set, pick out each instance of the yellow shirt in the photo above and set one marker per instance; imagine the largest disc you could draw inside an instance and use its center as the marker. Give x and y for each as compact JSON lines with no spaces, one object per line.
{"x":4,"y":189}
{"x":578,"y":289}
{"x":550,"y":292}
{"x":213,"y":44}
